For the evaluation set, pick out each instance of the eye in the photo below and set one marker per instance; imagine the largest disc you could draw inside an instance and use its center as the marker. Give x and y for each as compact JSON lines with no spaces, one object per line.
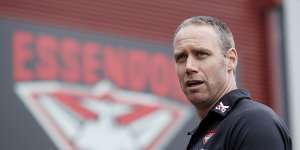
{"x":180,"y":58}
{"x":201,"y":54}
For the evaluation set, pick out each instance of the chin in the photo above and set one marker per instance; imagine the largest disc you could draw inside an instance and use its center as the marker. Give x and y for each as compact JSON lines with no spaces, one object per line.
{"x":197,"y":99}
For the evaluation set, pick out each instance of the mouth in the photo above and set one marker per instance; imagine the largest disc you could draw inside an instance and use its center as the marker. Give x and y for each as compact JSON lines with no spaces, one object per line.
{"x":193,"y":83}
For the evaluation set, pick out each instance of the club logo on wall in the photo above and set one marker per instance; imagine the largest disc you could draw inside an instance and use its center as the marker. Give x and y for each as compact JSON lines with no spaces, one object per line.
{"x":102,"y":117}
{"x":98,"y":93}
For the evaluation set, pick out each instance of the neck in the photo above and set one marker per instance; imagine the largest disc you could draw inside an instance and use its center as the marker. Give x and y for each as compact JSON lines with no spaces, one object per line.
{"x":228,"y":86}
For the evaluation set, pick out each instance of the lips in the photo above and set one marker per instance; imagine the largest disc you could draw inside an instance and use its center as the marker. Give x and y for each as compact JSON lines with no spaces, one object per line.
{"x":193,"y":83}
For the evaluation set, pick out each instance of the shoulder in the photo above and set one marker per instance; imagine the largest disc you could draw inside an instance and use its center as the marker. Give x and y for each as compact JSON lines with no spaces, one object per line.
{"x":252,"y":111}
{"x":254,"y":115}
{"x":256,"y":125}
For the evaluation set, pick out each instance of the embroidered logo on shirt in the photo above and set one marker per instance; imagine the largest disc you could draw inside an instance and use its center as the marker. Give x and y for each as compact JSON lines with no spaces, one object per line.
{"x":222,"y":107}
{"x":208,"y":136}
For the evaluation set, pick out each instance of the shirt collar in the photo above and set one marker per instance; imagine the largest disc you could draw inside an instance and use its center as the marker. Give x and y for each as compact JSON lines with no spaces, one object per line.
{"x":227,"y":102}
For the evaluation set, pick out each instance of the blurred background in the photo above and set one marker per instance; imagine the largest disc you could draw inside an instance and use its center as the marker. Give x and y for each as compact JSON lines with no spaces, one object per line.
{"x":94,"y":75}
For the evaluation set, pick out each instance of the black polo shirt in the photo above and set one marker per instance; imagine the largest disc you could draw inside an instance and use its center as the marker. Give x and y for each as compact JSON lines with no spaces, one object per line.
{"x":238,"y":123}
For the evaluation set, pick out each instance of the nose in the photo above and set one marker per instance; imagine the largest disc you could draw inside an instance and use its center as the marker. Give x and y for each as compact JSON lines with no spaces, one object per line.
{"x":191,"y":66}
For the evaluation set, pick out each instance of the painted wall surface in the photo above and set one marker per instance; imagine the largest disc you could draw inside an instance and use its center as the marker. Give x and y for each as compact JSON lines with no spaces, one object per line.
{"x":99,"y":74}
{"x":92,"y":91}
{"x":156,"y":21}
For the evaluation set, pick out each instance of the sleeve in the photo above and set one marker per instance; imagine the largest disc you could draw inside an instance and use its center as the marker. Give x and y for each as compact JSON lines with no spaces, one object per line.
{"x":260,"y":130}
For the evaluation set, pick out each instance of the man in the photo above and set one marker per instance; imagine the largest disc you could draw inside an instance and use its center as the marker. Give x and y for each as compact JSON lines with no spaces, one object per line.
{"x":206,"y":61}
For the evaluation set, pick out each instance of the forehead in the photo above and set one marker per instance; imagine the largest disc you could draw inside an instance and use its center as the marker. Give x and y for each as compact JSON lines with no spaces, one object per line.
{"x":193,"y":35}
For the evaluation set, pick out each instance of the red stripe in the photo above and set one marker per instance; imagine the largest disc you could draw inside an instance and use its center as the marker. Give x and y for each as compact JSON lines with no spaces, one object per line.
{"x":73,"y":103}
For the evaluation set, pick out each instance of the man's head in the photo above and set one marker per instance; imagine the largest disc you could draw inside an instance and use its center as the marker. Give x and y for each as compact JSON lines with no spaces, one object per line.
{"x":225,"y":35}
{"x":205,"y":60}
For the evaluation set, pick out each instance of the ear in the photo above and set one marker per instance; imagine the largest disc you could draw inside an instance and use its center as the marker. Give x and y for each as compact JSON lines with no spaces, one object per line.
{"x":232,"y":59}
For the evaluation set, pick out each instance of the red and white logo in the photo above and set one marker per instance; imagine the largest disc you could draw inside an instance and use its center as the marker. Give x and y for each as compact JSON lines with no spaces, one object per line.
{"x":222,"y":107}
{"x":208,"y":136}
{"x":102,"y":117}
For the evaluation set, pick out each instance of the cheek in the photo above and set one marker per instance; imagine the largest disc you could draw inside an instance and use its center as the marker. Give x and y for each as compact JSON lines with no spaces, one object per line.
{"x":180,"y":70}
{"x":220,"y":75}
{"x":215,"y":71}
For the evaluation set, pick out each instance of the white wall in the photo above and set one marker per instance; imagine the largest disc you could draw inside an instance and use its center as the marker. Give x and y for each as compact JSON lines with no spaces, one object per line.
{"x":292,"y":28}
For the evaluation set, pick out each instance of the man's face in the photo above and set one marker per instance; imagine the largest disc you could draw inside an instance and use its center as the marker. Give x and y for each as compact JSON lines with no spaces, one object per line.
{"x":200,"y":64}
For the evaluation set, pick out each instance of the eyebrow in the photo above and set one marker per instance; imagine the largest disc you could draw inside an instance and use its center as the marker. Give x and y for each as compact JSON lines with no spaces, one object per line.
{"x":176,"y":53}
{"x":193,"y":49}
